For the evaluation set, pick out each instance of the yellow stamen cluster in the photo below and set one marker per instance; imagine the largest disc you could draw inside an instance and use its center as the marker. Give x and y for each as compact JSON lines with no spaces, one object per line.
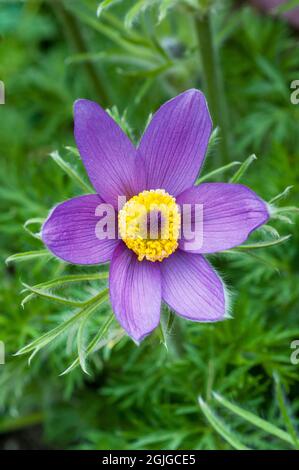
{"x":149,"y":224}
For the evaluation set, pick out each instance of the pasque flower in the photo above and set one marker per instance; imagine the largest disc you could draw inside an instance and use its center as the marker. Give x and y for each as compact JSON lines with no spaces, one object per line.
{"x":160,"y":174}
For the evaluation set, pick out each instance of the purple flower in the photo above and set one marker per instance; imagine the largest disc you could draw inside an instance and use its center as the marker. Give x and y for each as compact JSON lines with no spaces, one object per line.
{"x":291,"y":15}
{"x":162,"y":171}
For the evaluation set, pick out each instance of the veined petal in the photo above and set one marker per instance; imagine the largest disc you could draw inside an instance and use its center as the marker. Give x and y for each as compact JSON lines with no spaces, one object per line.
{"x":191,"y":287}
{"x":70,"y":232}
{"x":230,"y":213}
{"x":135,"y":293}
{"x":107,"y":153}
{"x":174,"y":144}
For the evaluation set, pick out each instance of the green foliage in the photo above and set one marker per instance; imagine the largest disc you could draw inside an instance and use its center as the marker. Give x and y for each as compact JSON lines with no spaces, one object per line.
{"x":145,"y":397}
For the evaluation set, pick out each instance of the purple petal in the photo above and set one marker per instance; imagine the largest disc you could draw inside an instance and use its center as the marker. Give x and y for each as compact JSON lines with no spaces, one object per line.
{"x":175,"y":142}
{"x":107,"y":153}
{"x":191,"y":287}
{"x":230,"y":213}
{"x":135,"y":293}
{"x":70,"y":232}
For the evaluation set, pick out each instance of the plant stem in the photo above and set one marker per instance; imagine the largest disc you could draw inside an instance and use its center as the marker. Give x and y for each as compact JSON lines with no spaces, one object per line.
{"x":15,"y":424}
{"x":174,"y":334}
{"x":213,"y":81}
{"x":73,"y":32}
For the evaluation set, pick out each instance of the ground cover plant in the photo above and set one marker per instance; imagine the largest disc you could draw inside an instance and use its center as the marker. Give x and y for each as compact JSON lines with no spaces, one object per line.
{"x":226,"y":385}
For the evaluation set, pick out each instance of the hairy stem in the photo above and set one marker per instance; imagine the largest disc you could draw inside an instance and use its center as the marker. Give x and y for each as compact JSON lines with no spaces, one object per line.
{"x":72,"y":30}
{"x":15,"y":424}
{"x":173,"y":333}
{"x":213,"y":81}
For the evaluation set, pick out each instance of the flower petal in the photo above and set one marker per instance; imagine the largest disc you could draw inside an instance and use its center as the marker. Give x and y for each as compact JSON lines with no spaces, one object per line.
{"x":70,"y":232}
{"x":191,"y":287}
{"x":230,"y":213}
{"x":175,"y":142}
{"x":107,"y":153}
{"x":135,"y":293}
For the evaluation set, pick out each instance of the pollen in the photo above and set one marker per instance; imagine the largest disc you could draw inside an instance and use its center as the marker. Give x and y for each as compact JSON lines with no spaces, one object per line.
{"x":149,"y":224}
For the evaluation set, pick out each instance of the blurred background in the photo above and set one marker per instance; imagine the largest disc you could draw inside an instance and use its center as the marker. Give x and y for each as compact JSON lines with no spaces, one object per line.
{"x":131,"y":56}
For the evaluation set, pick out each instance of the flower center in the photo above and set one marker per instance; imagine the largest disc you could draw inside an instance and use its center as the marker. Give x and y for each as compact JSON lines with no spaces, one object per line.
{"x":149,"y":224}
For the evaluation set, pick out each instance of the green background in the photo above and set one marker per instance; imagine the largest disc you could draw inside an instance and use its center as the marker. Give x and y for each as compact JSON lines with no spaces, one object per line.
{"x":131,"y":59}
